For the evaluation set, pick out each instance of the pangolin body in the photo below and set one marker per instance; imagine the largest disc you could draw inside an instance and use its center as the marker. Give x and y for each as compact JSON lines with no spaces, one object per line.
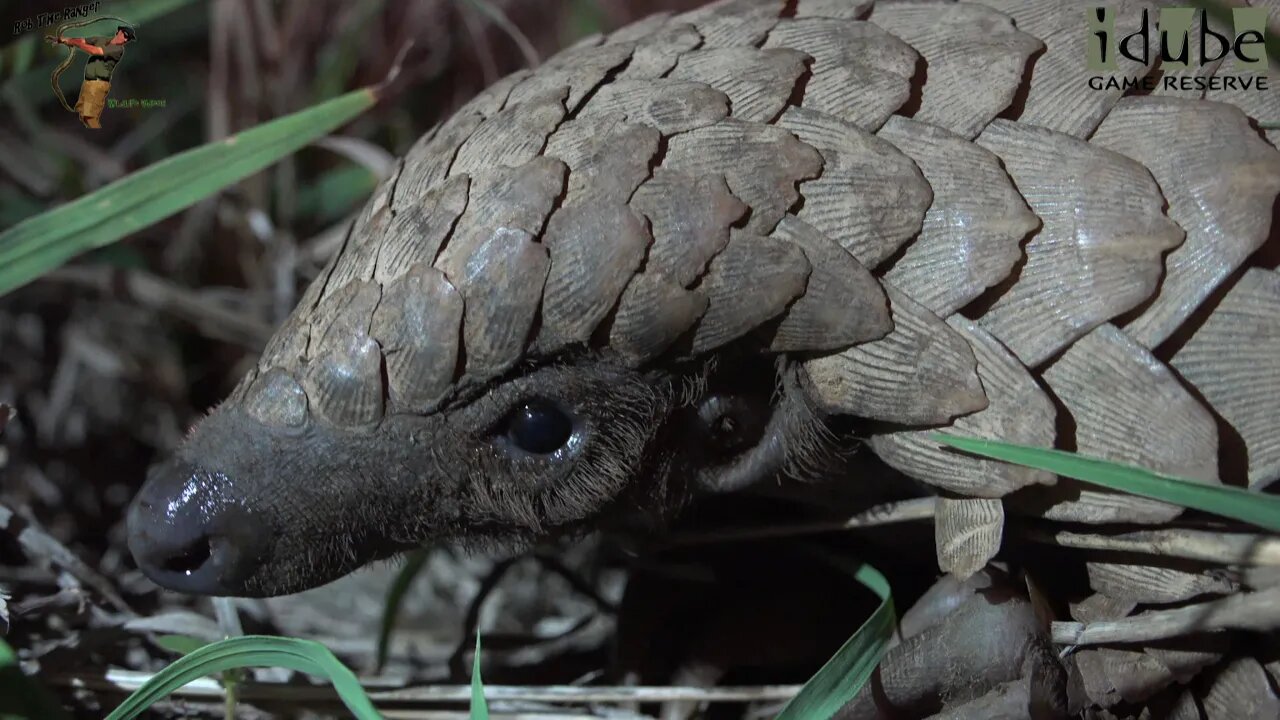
{"x":924,"y":208}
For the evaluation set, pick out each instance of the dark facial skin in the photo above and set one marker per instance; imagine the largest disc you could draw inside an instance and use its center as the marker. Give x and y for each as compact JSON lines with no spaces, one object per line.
{"x":246,"y":510}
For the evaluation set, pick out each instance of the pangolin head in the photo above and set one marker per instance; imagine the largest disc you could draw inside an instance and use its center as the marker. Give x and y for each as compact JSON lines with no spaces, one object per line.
{"x":298,"y":478}
{"x":502,"y":352}
{"x":574,"y":301}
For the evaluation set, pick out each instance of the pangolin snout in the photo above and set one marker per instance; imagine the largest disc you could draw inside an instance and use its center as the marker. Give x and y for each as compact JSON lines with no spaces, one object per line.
{"x":188,"y":532}
{"x":250,"y":510}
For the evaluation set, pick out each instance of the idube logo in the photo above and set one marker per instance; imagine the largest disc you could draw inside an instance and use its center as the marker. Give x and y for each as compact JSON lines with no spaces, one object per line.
{"x":1178,"y":45}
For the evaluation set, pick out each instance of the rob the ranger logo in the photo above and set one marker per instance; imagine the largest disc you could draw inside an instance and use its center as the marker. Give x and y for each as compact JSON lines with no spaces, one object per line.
{"x":1178,"y":42}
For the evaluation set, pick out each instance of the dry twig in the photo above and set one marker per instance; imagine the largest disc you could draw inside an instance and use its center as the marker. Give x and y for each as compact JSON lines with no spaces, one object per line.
{"x":156,"y":293}
{"x":1244,"y":611}
{"x":504,"y":23}
{"x":126,"y":681}
{"x":41,"y":544}
{"x":1216,"y":547}
{"x":886,"y":514}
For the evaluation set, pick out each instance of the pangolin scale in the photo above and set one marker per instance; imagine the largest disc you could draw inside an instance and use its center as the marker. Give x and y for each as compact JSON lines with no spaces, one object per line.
{"x":921,"y":206}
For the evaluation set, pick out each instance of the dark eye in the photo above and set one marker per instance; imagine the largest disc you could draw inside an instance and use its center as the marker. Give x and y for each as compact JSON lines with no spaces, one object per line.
{"x":538,"y":427}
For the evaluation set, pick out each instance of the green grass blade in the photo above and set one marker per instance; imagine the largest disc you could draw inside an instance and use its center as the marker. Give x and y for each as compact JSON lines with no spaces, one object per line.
{"x":337,"y":60}
{"x":41,"y":243}
{"x":1252,"y":507}
{"x":840,"y":679}
{"x":252,"y":651}
{"x":395,"y":595}
{"x":336,"y":193}
{"x":30,"y":259}
{"x":180,"y":644}
{"x":479,"y":707}
{"x":584,"y":18}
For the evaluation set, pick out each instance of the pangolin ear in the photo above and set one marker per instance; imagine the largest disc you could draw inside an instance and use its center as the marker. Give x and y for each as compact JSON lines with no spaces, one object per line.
{"x":750,"y":426}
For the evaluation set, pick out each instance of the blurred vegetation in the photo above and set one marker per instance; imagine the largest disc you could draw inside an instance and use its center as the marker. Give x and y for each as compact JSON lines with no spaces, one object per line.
{"x":224,"y":66}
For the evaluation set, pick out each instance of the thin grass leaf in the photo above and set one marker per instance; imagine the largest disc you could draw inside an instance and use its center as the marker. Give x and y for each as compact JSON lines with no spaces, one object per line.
{"x":479,"y":706}
{"x":336,"y":193}
{"x":42,"y":243}
{"x":414,"y":563}
{"x":252,"y":651}
{"x":840,"y":679}
{"x":185,"y":645}
{"x":180,"y":644}
{"x":513,"y":31}
{"x":585,"y":17}
{"x":337,"y":61}
{"x":1252,"y":507}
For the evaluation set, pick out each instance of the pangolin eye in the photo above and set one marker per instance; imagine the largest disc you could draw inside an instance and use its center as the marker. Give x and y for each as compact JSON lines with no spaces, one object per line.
{"x":539,"y":427}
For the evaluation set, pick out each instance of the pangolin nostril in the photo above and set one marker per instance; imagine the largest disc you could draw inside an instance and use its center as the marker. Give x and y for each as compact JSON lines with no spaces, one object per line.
{"x":191,"y":558}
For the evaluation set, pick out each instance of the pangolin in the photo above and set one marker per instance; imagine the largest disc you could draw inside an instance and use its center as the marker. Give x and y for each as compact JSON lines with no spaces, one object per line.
{"x":678,"y":257}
